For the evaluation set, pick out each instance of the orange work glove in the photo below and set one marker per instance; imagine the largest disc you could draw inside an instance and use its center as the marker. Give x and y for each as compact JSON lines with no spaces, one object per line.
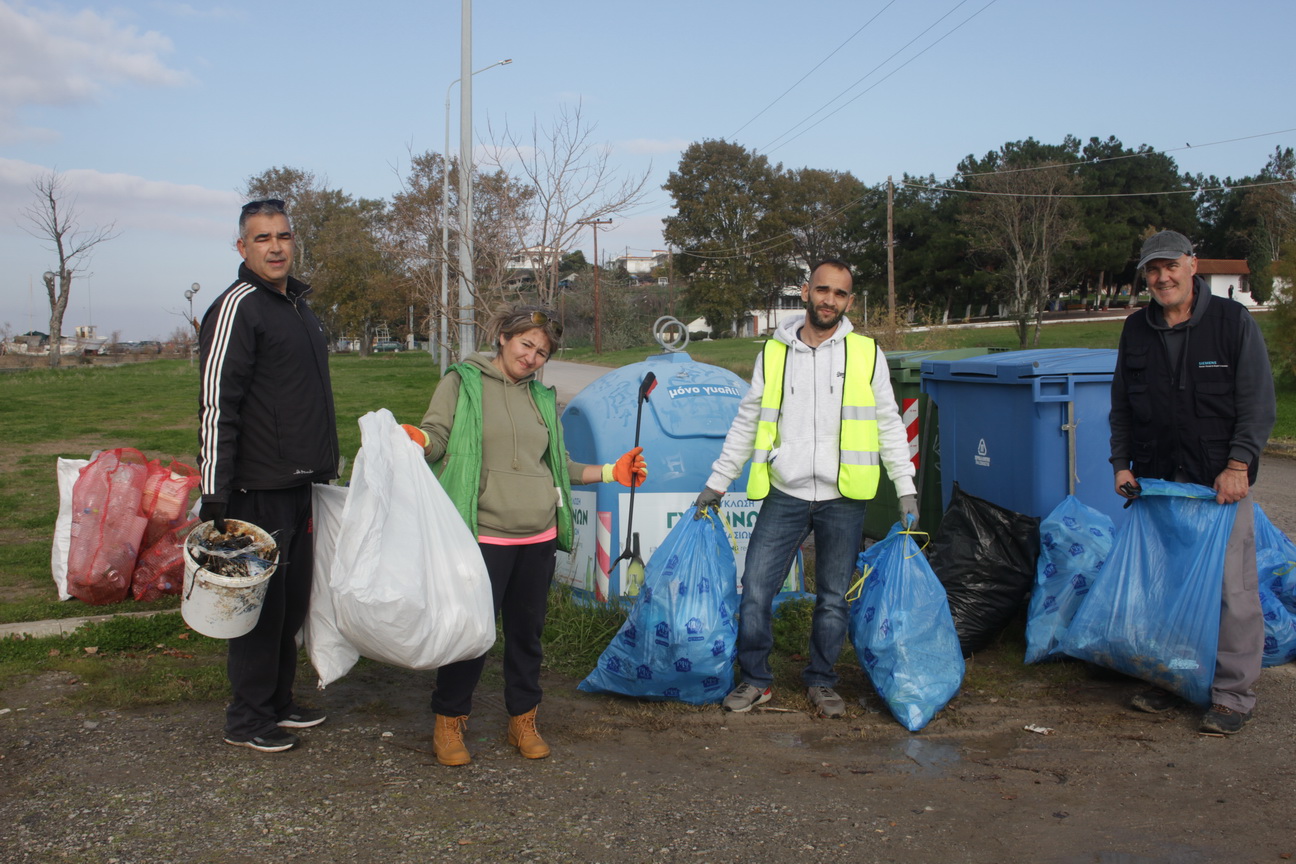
{"x":417,"y":435}
{"x":629,"y":470}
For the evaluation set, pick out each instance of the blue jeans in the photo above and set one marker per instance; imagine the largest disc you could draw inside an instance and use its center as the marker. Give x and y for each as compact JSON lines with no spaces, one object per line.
{"x":782,"y":526}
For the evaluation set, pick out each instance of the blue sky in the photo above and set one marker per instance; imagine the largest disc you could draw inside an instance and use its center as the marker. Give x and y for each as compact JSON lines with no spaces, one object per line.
{"x":157,"y":112}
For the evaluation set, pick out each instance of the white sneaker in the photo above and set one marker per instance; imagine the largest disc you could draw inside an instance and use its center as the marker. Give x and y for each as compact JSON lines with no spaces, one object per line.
{"x":746,"y":696}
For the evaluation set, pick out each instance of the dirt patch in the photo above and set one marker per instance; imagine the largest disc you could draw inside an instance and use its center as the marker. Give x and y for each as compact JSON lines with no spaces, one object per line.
{"x":631,"y":781}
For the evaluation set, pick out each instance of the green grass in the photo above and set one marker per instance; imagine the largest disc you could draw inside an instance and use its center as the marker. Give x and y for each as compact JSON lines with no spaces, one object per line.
{"x":152,"y":407}
{"x":124,"y":661}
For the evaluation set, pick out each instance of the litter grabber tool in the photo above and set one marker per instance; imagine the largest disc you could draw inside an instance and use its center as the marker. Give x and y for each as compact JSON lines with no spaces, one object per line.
{"x":635,"y":569}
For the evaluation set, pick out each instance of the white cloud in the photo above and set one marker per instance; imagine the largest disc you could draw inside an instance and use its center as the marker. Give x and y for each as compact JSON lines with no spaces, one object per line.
{"x":54,"y":57}
{"x":653,"y":145}
{"x":210,"y":13}
{"x":125,"y":199}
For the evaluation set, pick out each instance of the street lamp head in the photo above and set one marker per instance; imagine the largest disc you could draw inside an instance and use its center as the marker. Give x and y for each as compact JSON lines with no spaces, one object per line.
{"x":194,"y":287}
{"x":189,"y":294}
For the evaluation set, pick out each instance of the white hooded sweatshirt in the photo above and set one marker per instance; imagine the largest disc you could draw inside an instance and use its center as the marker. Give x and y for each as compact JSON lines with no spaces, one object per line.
{"x":806,"y":457}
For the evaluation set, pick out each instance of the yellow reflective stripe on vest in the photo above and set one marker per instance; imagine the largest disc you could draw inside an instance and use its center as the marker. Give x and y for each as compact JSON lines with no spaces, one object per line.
{"x":859,"y":463}
{"x":860,"y":468}
{"x":773,"y":364}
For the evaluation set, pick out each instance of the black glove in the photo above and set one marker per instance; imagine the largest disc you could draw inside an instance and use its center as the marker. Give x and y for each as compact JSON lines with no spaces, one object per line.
{"x":214,"y":512}
{"x":708,"y":498}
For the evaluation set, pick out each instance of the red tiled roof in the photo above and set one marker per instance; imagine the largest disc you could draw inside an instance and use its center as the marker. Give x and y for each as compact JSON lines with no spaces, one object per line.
{"x":1222,"y":267}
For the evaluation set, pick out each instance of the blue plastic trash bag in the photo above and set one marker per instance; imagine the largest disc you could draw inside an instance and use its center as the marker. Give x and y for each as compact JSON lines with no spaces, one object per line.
{"x":1155,"y":612}
{"x":679,"y":640}
{"x":903,"y":632}
{"x":1275,"y":560}
{"x":1276,"y":568}
{"x":1279,"y":629}
{"x":1075,"y":540}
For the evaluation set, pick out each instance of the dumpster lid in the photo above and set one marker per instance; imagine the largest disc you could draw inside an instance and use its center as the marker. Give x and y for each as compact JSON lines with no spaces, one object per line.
{"x":1016,"y":365}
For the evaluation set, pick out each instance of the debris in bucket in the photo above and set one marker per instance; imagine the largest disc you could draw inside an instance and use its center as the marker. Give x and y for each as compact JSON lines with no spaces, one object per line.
{"x":235,"y":556}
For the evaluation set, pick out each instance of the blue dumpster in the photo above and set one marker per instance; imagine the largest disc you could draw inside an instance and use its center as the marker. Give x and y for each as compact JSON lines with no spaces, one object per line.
{"x":1025,"y":428}
{"x":683,"y":427}
{"x":920,"y":421}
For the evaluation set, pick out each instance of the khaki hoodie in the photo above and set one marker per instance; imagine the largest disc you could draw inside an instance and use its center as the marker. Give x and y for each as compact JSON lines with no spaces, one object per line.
{"x":516,"y":498}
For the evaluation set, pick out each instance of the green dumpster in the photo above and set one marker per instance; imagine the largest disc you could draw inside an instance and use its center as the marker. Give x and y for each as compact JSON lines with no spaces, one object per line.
{"x":919,"y":415}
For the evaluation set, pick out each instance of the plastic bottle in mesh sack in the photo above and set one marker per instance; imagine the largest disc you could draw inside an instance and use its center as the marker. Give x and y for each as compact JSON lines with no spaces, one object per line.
{"x":160,"y":568}
{"x":107,"y":526}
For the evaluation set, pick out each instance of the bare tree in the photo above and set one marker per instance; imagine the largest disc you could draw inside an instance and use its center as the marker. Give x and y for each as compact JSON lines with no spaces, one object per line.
{"x":1025,"y":220}
{"x":499,"y":205}
{"x":53,"y":219}
{"x":573,"y":182}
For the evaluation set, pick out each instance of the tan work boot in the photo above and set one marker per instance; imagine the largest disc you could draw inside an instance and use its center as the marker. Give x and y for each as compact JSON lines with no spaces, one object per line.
{"x":448,"y":742}
{"x":522,"y":734}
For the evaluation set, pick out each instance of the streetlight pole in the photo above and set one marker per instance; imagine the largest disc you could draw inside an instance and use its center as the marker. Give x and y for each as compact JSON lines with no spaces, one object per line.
{"x":467,"y":284}
{"x":445,"y":229}
{"x":598,"y":313}
{"x":193,"y":322}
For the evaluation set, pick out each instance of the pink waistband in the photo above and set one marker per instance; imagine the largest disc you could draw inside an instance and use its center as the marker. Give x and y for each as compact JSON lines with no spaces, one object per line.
{"x":543,"y":536}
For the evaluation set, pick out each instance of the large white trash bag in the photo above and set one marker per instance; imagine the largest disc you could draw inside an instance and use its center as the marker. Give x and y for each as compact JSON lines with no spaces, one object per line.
{"x":329,"y":651}
{"x":408,"y":581}
{"x":68,"y":472}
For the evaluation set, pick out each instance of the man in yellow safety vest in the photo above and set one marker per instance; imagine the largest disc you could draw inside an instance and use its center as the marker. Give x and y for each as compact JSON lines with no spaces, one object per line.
{"x":818,"y":423}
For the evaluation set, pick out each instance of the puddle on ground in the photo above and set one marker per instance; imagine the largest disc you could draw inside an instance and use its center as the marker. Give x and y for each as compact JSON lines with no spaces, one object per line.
{"x":915,"y":755}
{"x":1172,"y":855}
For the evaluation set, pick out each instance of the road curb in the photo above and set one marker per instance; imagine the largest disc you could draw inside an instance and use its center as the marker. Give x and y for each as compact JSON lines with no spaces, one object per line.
{"x":65,"y":626}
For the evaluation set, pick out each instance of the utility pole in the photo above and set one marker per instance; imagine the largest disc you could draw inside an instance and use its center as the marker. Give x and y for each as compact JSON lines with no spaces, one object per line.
{"x":670,"y":277}
{"x":467,"y":324}
{"x":890,"y":247}
{"x":598,"y":312}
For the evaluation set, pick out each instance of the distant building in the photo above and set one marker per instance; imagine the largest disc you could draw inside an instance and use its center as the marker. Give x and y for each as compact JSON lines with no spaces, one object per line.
{"x":533,"y":258}
{"x":758,"y":322}
{"x":642,"y":265}
{"x":1227,"y":277}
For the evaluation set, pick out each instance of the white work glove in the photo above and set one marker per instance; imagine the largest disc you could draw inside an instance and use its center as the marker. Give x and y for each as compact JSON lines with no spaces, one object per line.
{"x":909,"y":512}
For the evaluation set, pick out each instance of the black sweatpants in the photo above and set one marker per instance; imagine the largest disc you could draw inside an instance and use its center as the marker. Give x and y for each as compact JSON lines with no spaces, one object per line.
{"x":263,"y":663}
{"x":520,"y":578}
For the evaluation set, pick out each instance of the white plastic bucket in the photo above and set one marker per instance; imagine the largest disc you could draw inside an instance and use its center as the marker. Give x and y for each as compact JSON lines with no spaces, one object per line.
{"x":220,"y":606}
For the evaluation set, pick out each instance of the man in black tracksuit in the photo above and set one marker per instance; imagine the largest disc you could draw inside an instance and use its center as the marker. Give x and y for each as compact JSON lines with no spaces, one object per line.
{"x":267,"y":431}
{"x":1193,"y":402}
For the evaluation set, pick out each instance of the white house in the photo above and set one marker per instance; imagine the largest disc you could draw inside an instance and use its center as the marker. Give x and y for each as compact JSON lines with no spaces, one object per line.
{"x":1227,"y":277}
{"x":641,"y":265}
{"x":761,"y":321}
{"x":532,"y":258}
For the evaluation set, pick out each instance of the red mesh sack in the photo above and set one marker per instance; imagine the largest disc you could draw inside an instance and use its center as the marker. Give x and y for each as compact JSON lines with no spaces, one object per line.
{"x":160,"y":568}
{"x":166,"y":499}
{"x":107,"y":526}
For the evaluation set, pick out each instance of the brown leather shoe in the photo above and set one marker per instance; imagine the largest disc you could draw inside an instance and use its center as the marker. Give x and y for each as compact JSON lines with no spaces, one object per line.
{"x":448,"y":742}
{"x":522,"y":734}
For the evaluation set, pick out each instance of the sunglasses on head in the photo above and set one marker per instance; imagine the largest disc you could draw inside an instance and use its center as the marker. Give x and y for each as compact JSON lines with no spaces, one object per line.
{"x":271,"y":205}
{"x":540,"y":318}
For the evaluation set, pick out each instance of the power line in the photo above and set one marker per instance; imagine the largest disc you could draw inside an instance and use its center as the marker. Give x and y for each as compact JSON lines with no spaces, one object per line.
{"x":1192,"y":191}
{"x":787,"y":237}
{"x":734,"y":134}
{"x":1135,"y":155}
{"x":777,"y":143}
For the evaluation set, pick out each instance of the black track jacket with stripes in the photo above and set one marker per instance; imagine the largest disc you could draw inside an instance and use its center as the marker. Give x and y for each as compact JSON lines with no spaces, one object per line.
{"x":266,"y":418}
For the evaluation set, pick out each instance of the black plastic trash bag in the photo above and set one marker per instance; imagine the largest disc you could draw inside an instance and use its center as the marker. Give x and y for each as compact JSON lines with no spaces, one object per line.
{"x":985,"y":557}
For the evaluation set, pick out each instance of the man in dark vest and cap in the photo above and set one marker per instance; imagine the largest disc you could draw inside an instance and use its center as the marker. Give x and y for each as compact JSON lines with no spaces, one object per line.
{"x":1193,"y":402}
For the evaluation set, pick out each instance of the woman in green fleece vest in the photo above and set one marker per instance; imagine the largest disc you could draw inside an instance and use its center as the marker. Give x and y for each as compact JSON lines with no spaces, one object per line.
{"x":492,"y":433}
